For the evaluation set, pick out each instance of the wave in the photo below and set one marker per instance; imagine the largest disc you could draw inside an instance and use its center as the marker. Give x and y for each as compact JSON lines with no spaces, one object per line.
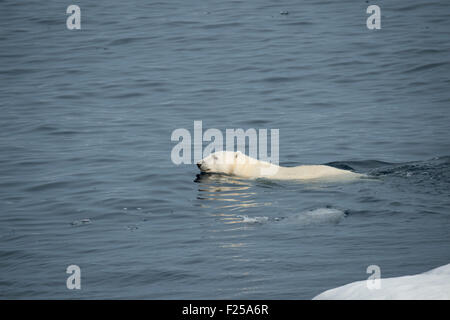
{"x":430,"y":176}
{"x":310,"y":217}
{"x":379,"y":168}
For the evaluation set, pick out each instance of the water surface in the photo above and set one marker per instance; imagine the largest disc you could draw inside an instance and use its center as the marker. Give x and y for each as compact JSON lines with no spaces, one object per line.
{"x":87,"y":115}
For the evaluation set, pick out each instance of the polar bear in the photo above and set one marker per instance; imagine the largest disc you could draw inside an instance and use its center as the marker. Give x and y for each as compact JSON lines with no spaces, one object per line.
{"x":241,"y":165}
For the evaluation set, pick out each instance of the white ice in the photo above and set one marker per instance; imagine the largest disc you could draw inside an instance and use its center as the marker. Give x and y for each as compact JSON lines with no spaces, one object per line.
{"x":430,"y":285}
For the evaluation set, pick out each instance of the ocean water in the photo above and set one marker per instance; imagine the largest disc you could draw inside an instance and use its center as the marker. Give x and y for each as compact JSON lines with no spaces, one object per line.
{"x":86,"y":117}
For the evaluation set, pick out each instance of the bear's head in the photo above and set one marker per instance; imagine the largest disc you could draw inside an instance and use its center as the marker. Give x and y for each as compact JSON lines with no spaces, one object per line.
{"x":221,"y":162}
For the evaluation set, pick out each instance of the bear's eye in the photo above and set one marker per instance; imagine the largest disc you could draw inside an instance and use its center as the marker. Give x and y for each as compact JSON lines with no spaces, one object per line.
{"x":215,"y":158}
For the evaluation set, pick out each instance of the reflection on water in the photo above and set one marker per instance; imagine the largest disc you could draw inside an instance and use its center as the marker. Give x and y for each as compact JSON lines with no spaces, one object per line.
{"x":227,"y":194}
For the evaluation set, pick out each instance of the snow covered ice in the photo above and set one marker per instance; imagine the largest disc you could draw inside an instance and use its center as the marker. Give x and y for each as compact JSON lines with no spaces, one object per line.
{"x":430,"y":285}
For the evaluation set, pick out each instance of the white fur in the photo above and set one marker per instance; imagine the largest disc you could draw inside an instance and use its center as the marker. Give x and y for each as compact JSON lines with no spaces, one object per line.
{"x":238,"y":164}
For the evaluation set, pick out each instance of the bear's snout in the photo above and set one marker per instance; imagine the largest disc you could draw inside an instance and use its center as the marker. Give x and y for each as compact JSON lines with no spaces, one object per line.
{"x":199,"y":164}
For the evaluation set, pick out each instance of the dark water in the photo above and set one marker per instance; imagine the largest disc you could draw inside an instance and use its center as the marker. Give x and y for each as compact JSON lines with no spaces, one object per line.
{"x":86,"y":118}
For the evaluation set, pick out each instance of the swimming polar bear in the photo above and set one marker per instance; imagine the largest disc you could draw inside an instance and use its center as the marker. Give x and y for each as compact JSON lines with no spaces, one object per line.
{"x":239,"y":164}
